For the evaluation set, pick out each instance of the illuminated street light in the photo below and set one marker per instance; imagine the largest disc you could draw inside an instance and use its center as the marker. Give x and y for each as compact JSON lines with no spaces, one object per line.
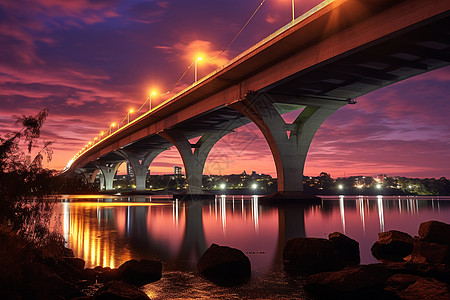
{"x":129,"y":115}
{"x":150,"y":100}
{"x":341,"y":186}
{"x":254,"y":186}
{"x":379,"y":186}
{"x":112,"y":126}
{"x":222,"y":186}
{"x":195,"y":67}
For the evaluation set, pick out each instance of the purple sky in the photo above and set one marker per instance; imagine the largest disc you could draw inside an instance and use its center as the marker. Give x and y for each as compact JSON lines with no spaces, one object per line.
{"x":89,"y":62}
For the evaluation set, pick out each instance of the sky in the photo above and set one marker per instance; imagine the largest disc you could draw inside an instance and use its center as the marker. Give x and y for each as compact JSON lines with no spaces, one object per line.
{"x":90,"y":61}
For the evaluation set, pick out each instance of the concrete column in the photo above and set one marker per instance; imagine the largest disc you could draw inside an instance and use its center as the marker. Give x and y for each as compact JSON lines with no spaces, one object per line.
{"x":90,"y":176}
{"x":289,"y":143}
{"x":140,"y":162}
{"x":102,"y":182}
{"x":109,"y":171}
{"x":193,"y":160}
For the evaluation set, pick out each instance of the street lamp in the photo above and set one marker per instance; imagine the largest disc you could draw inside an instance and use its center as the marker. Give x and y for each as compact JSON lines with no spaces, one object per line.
{"x":150,"y":100}
{"x":195,"y":67}
{"x":129,"y":115}
{"x":112,"y":126}
{"x":293,"y":10}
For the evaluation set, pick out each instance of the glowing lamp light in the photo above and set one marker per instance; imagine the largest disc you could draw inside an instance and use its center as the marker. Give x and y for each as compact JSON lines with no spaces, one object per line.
{"x":222,"y":186}
{"x":254,"y":186}
{"x":195,"y":67}
{"x":113,"y":125}
{"x":340,"y":186}
{"x":379,"y":186}
{"x":131,"y":110}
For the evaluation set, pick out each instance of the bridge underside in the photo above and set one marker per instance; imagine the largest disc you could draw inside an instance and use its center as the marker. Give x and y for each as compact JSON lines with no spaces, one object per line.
{"x":317,"y":91}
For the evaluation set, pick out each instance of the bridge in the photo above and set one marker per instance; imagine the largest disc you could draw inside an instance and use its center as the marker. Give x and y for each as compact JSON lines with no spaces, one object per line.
{"x":318,"y":63}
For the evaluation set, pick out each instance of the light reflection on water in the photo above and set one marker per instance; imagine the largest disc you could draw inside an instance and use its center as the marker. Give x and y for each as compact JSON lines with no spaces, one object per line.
{"x":108,"y":231}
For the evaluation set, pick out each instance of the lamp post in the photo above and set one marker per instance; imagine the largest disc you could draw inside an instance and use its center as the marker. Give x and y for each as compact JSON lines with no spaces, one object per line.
{"x":129,"y":115}
{"x":150,"y":101}
{"x":293,"y":10}
{"x":110,"y":127}
{"x":195,"y":68}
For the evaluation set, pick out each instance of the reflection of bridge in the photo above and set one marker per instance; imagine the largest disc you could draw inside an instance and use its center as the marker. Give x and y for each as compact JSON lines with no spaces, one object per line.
{"x":316,"y":64}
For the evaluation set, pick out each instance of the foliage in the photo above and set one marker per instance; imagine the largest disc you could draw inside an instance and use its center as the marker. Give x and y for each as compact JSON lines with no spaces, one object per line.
{"x":25,"y":205}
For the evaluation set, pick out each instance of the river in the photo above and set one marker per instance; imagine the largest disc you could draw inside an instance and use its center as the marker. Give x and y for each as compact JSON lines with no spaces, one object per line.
{"x":109,"y":230}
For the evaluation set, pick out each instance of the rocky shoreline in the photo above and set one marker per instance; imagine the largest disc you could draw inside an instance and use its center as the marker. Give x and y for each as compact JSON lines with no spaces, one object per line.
{"x":410,"y":268}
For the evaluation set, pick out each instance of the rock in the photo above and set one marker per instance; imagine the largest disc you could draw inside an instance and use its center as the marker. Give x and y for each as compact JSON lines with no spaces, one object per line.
{"x":108,"y":274}
{"x":308,"y":255}
{"x":354,"y":282}
{"x":399,"y":282}
{"x":98,"y":268}
{"x":346,"y":250}
{"x":392,"y":245}
{"x":77,"y":263}
{"x":42,"y":283}
{"x":119,"y":290}
{"x":426,"y":288}
{"x":224,"y":265}
{"x":140,"y":272}
{"x":67,"y":252}
{"x":89,"y":274}
{"x":431,"y":253}
{"x":435,"y":232}
{"x":315,"y":255}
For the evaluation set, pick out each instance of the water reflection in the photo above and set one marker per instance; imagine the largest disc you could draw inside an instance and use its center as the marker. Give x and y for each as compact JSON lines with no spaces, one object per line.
{"x":109,"y":231}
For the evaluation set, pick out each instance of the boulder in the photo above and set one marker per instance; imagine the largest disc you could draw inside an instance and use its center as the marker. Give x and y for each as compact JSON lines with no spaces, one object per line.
{"x":354,"y":282}
{"x":435,"y":232}
{"x":308,"y":256}
{"x":399,"y":282}
{"x":77,"y":263}
{"x":140,"y":272}
{"x":315,"y":255}
{"x":108,"y":274}
{"x":119,"y":290}
{"x":42,"y":283}
{"x":224,"y":265}
{"x":89,"y":274}
{"x":426,"y":288}
{"x":346,"y":250}
{"x":67,"y":252}
{"x":431,"y":253}
{"x":392,"y":245}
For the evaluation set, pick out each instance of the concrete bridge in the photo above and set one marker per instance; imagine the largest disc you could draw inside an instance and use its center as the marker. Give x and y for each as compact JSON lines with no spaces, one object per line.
{"x":316,"y":64}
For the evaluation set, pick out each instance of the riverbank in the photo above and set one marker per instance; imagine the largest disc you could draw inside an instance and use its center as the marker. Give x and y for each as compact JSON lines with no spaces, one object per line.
{"x":409,"y":268}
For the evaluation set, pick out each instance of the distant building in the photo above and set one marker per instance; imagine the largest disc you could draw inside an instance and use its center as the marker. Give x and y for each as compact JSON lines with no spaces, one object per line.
{"x":176,"y":170}
{"x":130,"y":171}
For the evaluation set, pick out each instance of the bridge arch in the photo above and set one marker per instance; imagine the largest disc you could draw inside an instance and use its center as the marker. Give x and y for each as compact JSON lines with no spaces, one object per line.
{"x":289,"y":143}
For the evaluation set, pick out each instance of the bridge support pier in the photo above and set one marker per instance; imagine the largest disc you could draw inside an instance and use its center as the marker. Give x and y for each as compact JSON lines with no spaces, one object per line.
{"x":90,"y":176}
{"x":194,"y":155}
{"x":289,"y":143}
{"x":109,"y":171}
{"x":140,"y":162}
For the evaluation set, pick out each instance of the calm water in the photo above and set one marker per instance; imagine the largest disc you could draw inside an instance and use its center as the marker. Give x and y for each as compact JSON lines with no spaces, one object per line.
{"x":107,"y":231}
